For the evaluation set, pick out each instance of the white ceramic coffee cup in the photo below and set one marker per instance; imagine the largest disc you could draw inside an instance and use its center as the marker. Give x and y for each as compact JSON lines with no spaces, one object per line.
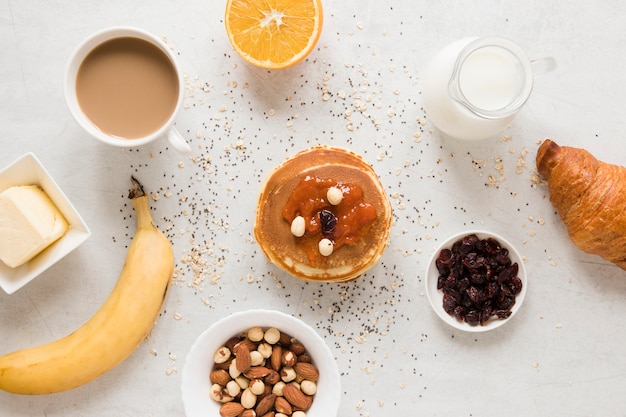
{"x":166,"y":130}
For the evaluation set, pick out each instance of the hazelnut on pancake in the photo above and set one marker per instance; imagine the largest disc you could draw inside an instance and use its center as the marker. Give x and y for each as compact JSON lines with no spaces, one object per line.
{"x":323,"y":215}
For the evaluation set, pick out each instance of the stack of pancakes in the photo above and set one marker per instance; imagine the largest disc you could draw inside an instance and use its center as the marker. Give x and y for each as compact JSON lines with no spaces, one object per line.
{"x":273,"y":231}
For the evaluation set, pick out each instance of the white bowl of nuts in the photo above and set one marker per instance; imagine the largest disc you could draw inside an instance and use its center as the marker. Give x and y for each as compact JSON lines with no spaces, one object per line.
{"x":257,"y":362}
{"x":476,"y":281}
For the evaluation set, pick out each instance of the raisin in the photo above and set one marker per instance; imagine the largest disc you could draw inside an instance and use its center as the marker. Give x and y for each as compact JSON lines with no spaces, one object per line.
{"x":328,"y":221}
{"x":449,"y":303}
{"x":459,"y":312}
{"x":503,"y":314}
{"x":462,"y":284}
{"x":472,"y":317}
{"x":478,"y":278}
{"x":474,"y":294}
{"x":471,"y":261}
{"x":503,"y":257}
{"x":485,"y":313}
{"x":441,"y":281}
{"x":492,"y":290}
{"x":516,"y":285}
{"x":443,"y":262}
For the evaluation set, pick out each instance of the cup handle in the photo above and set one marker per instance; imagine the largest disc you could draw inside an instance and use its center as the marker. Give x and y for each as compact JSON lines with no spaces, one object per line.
{"x":543,"y":65}
{"x":177,"y":141}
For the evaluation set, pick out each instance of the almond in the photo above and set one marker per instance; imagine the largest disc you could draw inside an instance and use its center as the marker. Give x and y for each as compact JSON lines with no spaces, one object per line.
{"x":220,"y":377}
{"x":231,"y":409}
{"x":306,"y":370}
{"x":248,"y":413}
{"x":297,"y":398}
{"x":276,"y":358}
{"x":230,"y":343}
{"x":243,"y":362}
{"x":248,"y":343}
{"x":282,"y":406}
{"x":305,"y":358}
{"x":265,"y":405}
{"x":285,"y":339}
{"x":257,"y":372}
{"x":224,"y":365}
{"x":297,"y":348}
{"x":272,"y":378}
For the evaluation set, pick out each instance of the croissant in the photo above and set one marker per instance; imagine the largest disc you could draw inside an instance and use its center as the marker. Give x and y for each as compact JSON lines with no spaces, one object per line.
{"x":589,"y":196}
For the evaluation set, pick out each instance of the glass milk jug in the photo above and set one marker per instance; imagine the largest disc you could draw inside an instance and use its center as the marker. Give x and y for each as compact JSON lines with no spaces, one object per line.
{"x":474,"y":87}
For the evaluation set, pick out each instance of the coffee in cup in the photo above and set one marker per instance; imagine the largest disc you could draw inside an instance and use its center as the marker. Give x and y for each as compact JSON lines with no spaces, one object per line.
{"x":123,"y":87}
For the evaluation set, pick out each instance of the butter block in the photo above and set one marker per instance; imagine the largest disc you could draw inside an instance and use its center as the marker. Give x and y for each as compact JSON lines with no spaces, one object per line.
{"x":29,"y":223}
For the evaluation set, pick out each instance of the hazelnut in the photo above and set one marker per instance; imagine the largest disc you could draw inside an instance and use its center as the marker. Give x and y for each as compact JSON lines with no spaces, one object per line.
{"x":287,"y":374}
{"x":221,"y":355}
{"x":308,"y":387}
{"x":265,"y":349}
{"x":334,"y":195}
{"x":257,"y":386}
{"x":232,"y":369}
{"x":255,"y":334}
{"x":298,"y":227}
{"x":272,"y":335}
{"x":217,"y":393}
{"x":288,"y":358}
{"x":256,"y":358}
{"x":326,"y":247}
{"x":248,"y":398}
{"x":278,"y":388}
{"x":233,"y":388}
{"x":242,"y":381}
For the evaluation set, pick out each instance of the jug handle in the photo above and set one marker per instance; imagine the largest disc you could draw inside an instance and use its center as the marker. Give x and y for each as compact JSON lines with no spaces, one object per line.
{"x":542,"y":65}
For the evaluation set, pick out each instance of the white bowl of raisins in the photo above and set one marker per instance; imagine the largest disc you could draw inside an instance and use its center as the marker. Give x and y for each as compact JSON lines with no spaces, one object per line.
{"x":476,"y":281}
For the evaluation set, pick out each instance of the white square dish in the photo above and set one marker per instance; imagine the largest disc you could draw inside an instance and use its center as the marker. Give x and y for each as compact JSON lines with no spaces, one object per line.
{"x":25,"y":171}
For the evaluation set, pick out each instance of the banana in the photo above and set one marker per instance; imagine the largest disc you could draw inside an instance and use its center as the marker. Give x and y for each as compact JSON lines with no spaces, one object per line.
{"x":114,"y":331}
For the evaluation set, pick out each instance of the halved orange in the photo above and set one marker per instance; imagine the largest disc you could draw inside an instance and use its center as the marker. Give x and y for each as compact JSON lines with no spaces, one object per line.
{"x":273,"y":33}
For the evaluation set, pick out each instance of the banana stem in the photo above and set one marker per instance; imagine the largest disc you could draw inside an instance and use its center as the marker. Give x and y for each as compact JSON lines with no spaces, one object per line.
{"x":140,"y":203}
{"x":137,"y":190}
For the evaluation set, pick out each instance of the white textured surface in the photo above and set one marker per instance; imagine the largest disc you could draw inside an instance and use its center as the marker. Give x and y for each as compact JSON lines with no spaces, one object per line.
{"x":561,"y":355}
